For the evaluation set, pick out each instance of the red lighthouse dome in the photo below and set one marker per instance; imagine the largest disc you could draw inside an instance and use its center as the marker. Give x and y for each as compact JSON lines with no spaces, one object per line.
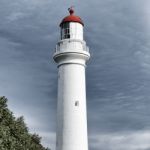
{"x":72,"y":18}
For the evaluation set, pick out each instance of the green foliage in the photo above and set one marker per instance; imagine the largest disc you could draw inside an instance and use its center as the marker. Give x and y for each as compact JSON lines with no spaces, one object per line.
{"x":14,"y":134}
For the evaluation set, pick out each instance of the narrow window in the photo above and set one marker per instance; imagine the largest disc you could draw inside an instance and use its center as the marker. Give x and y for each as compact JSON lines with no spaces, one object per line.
{"x":76,"y":103}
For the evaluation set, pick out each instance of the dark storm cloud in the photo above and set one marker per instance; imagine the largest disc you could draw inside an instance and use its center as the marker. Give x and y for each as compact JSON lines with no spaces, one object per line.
{"x":118,"y":97}
{"x":118,"y":80}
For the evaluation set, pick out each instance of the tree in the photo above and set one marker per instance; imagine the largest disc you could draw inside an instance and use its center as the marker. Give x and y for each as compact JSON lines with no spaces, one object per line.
{"x":14,"y":133}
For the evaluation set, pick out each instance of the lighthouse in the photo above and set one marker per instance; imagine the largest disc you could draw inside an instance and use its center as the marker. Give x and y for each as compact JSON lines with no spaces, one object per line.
{"x":71,"y":55}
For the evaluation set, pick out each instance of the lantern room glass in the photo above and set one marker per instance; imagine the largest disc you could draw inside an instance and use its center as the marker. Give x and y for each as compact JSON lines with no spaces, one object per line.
{"x":65,"y":30}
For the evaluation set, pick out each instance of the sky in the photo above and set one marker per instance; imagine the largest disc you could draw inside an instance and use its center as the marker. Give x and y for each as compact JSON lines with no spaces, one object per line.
{"x":118,"y":73}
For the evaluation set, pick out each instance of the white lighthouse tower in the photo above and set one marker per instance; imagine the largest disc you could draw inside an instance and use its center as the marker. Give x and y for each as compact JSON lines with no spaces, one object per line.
{"x":71,"y":55}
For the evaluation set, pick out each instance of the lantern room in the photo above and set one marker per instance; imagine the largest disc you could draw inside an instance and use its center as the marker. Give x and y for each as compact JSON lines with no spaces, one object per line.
{"x":72,"y":27}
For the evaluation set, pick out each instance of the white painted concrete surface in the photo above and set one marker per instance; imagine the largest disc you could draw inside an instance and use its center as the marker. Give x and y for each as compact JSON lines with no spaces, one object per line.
{"x":76,"y":31}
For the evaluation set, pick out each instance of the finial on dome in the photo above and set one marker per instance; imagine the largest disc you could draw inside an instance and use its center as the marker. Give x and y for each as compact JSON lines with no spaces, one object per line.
{"x":71,"y":17}
{"x":71,"y":10}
